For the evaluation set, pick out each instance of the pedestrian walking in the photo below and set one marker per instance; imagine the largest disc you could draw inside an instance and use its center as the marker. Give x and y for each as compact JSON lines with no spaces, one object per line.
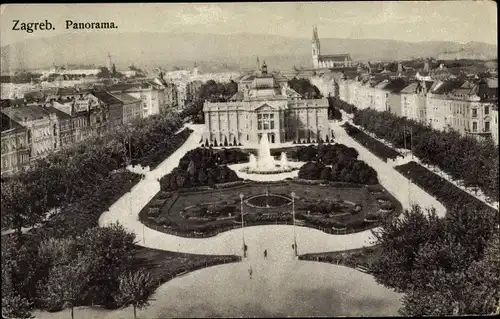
{"x":250,"y":272}
{"x":265,"y":254}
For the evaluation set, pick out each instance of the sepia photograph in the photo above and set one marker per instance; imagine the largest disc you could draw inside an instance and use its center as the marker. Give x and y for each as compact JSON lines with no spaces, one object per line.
{"x":249,"y":159}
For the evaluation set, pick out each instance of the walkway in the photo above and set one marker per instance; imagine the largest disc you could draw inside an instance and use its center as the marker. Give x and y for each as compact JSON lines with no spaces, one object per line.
{"x":126,"y":210}
{"x":277,"y":289}
{"x":398,"y":185}
{"x":475,"y":192}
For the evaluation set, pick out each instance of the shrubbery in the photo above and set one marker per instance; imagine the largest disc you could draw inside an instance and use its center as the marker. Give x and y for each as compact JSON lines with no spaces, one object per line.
{"x":202,"y":167}
{"x":378,"y":148}
{"x":350,"y":171}
{"x":52,"y":272}
{"x":460,"y":251}
{"x":326,"y":153}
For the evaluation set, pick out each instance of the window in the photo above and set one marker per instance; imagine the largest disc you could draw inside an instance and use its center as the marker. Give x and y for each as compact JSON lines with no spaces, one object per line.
{"x":486,"y":126}
{"x":265,"y":121}
{"x":486,"y":110}
{"x":474,"y":126}
{"x":474,"y":113}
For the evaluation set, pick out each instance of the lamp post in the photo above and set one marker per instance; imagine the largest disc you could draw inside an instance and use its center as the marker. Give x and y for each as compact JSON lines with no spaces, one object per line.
{"x":293,"y":216}
{"x":242,"y":225}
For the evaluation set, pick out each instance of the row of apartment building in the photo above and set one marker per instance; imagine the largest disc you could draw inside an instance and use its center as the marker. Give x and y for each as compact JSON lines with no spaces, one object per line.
{"x":48,"y":120}
{"x":469,"y":106}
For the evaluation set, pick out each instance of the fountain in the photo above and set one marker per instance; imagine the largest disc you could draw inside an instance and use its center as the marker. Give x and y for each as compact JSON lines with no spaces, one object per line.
{"x":264,"y":163}
{"x":264,"y":160}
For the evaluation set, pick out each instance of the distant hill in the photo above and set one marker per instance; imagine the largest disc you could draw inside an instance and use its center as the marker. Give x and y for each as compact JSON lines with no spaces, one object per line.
{"x":234,"y":51}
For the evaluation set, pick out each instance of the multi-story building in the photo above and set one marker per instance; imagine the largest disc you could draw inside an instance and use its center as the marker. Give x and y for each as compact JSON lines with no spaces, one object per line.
{"x":89,"y":116}
{"x":494,"y":123}
{"x":265,"y":107}
{"x":155,"y":97}
{"x":64,"y":126}
{"x":114,"y":108}
{"x":192,"y":90}
{"x":132,"y":108}
{"x":15,"y":153}
{"x":389,"y":97}
{"x":413,"y":100}
{"x":41,"y":128}
{"x":462,"y":106}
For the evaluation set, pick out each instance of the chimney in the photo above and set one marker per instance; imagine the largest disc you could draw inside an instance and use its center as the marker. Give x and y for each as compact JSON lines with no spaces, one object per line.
{"x":400,"y":67}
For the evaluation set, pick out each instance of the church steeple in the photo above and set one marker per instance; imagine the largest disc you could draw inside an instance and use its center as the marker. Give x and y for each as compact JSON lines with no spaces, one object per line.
{"x":315,"y":47}
{"x":264,"y":68}
{"x":258,"y":65}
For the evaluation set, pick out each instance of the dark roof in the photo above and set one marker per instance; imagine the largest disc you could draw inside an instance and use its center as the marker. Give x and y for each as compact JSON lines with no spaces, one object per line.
{"x":60,"y":114}
{"x":29,"y":112}
{"x":395,"y":86}
{"x":34,"y":95}
{"x":66,"y":91}
{"x":335,"y":57}
{"x":125,"y":98}
{"x":448,"y":86}
{"x":12,"y":103}
{"x":8,"y":124}
{"x":107,"y":98}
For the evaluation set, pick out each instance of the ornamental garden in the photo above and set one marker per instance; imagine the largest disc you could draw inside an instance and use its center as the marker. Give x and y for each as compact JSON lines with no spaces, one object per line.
{"x":334,"y":192}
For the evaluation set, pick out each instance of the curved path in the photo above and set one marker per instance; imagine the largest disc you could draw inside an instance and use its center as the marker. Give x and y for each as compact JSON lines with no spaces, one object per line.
{"x":278,"y":237}
{"x":277,"y":289}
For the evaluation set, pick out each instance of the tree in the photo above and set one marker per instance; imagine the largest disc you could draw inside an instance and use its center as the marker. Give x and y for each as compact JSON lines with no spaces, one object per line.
{"x":104,"y":72}
{"x":326,"y":174}
{"x":65,"y":286}
{"x":13,"y":305}
{"x":135,"y":289}
{"x":105,"y":253}
{"x":191,"y":168}
{"x":401,"y":240}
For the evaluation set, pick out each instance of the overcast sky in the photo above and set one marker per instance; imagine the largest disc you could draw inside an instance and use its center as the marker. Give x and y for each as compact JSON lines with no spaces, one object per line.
{"x":460,"y":21}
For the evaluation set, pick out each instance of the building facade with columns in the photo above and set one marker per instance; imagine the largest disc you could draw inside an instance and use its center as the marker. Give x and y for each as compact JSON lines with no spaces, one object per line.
{"x":265,"y":105}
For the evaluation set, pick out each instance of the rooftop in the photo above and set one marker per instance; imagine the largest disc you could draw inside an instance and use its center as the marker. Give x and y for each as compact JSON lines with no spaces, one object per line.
{"x":335,"y":57}
{"x":125,"y":98}
{"x":107,"y":98}
{"x":8,"y":124}
{"x":22,"y":113}
{"x":60,"y":114}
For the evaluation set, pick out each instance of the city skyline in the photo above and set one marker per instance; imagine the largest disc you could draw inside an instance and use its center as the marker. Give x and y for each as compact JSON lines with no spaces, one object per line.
{"x":412,"y":21}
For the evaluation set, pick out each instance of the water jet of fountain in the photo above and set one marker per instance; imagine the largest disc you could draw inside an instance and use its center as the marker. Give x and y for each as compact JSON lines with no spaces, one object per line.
{"x":283,"y":160}
{"x":265,"y":160}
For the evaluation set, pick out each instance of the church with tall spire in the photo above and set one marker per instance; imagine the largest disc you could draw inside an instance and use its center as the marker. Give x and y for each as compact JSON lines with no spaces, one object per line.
{"x":331,"y":61}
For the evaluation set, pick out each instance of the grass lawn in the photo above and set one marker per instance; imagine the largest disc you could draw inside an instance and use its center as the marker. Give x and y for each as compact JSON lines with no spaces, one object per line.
{"x":165,"y":265}
{"x":203,"y":213}
{"x":351,"y":258}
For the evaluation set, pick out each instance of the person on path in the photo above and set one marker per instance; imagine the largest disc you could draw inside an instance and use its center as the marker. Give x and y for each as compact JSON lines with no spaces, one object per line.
{"x":250,"y":272}
{"x":245,"y":248}
{"x":293,"y":246}
{"x":265,"y":254}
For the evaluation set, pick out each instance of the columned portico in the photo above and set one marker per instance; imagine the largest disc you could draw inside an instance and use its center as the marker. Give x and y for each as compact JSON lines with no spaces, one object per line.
{"x":266,"y":106}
